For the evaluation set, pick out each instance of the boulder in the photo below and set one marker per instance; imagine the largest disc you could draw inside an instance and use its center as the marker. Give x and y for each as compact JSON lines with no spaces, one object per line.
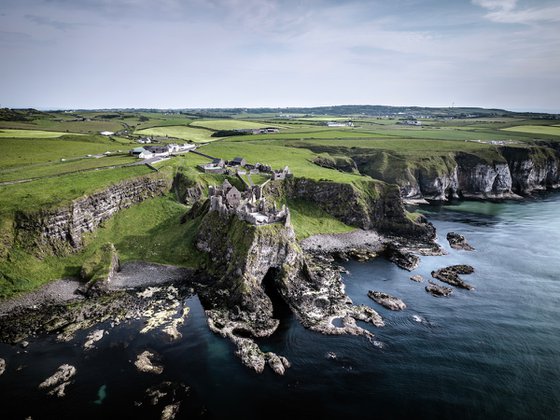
{"x":417,"y":278}
{"x":386,"y":300}
{"x":437,"y":290}
{"x":458,"y":241}
{"x":144,"y":363}
{"x":59,"y":380}
{"x":450,"y":275}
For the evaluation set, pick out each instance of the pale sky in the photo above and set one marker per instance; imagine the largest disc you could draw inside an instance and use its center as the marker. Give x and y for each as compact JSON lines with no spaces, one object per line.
{"x":71,"y":54}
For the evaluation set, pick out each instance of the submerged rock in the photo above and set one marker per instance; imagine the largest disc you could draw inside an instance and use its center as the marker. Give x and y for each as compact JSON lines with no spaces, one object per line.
{"x":279,"y":364}
{"x":386,"y":300}
{"x":417,"y":278}
{"x":92,"y":338}
{"x":168,"y":395}
{"x":170,"y":411}
{"x":437,"y":290}
{"x":144,"y":363}
{"x":458,"y":241}
{"x":59,"y":380}
{"x":450,"y":275}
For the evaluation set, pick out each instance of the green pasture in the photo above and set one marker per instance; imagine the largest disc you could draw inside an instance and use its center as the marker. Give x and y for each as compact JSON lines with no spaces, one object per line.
{"x":217,"y":125}
{"x":197,"y":135}
{"x":310,"y":133}
{"x":25,"y":134}
{"x":23,"y":151}
{"x":535,"y":129}
{"x":299,"y":160}
{"x":63,"y":125}
{"x":59,"y":168}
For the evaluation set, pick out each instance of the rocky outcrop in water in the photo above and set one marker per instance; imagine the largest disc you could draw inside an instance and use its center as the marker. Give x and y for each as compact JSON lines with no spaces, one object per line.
{"x":458,"y":241}
{"x":386,"y":300}
{"x":245,"y":260}
{"x":93,"y":338}
{"x":2,"y":366}
{"x":60,"y":231}
{"x":417,"y":278}
{"x":57,"y":383}
{"x":438,"y":290}
{"x":450,"y":275}
{"x":145,"y":363}
{"x":167,"y":397}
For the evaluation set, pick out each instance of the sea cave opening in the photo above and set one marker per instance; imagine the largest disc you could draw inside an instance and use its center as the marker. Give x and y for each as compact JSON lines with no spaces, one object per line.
{"x":280,"y":309}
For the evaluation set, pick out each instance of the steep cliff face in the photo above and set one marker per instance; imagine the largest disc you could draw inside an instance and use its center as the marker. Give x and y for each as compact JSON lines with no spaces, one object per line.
{"x":478,"y":178}
{"x":187,"y":190}
{"x":506,"y":172}
{"x":59,"y":231}
{"x":532,"y":168}
{"x":367,"y":204}
{"x":433,"y":177}
{"x":241,"y":255}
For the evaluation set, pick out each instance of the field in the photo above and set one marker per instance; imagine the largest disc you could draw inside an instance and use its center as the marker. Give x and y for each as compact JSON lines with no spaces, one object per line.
{"x":21,"y":152}
{"x":535,"y":129}
{"x":85,"y":127}
{"x":228,"y":124}
{"x":60,"y":168}
{"x":299,"y":160}
{"x":24,"y":134}
{"x":197,"y":135}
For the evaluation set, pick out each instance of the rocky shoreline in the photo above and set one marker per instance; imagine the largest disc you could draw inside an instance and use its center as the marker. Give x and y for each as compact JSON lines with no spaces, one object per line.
{"x":134,"y":274}
{"x":309,"y":282}
{"x":344,"y":242}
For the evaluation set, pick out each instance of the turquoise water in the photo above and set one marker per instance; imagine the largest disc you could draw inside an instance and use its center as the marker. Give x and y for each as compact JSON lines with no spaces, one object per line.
{"x":489,"y":353}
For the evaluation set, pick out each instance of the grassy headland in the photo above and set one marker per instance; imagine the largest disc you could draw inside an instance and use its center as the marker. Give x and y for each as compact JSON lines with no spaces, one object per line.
{"x":54,"y":147}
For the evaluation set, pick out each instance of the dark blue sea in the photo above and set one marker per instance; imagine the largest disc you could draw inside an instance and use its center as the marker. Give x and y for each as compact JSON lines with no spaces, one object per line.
{"x":491,"y":353}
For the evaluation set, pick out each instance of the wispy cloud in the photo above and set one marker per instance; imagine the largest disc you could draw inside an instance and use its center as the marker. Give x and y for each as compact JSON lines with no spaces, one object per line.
{"x":506,"y":11}
{"x":41,"y":20}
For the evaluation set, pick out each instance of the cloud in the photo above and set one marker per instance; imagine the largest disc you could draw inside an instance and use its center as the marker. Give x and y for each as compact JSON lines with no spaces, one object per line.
{"x":41,"y":20}
{"x":503,"y":5}
{"x":506,"y":11}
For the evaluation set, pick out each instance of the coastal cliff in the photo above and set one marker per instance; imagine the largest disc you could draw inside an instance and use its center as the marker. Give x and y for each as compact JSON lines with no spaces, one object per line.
{"x":368,"y":204}
{"x":507,"y":172}
{"x":60,"y":230}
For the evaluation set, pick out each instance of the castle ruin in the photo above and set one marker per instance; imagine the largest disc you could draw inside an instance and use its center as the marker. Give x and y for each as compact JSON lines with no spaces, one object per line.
{"x":249,"y":205}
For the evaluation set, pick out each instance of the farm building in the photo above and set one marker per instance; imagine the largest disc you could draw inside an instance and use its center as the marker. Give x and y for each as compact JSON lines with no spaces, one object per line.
{"x":238,"y":161}
{"x":158,"y":151}
{"x":106,"y":133}
{"x":141,"y":153}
